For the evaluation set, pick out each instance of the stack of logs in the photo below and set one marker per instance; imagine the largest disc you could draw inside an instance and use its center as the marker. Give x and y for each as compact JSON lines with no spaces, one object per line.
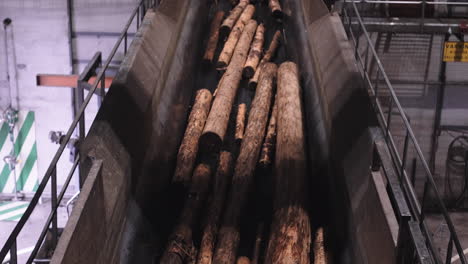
{"x":272,"y":138}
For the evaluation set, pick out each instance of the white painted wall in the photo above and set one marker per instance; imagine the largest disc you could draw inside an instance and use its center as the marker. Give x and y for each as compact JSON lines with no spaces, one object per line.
{"x":40,"y":30}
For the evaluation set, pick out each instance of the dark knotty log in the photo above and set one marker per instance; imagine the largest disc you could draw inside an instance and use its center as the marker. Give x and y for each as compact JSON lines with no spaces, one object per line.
{"x":232,"y":18}
{"x":222,"y":178}
{"x":180,"y":247}
{"x":214,"y":35}
{"x":268,"y":55}
{"x":275,"y":8}
{"x":228,"y":49}
{"x":228,"y":238}
{"x":240,"y":122}
{"x":255,"y":52}
{"x":243,"y":260}
{"x":320,"y":254}
{"x":216,"y":124}
{"x":258,"y":244}
{"x":189,"y":147}
{"x":290,"y":235}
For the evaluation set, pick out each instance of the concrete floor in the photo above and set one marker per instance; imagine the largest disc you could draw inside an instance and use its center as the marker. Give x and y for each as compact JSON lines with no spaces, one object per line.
{"x":441,"y":233}
{"x":32,"y":229}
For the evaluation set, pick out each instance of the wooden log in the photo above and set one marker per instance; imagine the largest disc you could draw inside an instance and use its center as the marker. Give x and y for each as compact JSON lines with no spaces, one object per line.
{"x":290,"y":235}
{"x":240,"y":122}
{"x":232,"y":18}
{"x":268,"y":55}
{"x":179,"y":249}
{"x":189,"y":147}
{"x":228,"y":238}
{"x":228,"y":49}
{"x":243,"y":260}
{"x":222,"y":178}
{"x":216,"y":124}
{"x":320,"y":255}
{"x":255,"y":52}
{"x":214,"y":36}
{"x":258,"y":244}
{"x":275,"y":8}
{"x":266,"y":155}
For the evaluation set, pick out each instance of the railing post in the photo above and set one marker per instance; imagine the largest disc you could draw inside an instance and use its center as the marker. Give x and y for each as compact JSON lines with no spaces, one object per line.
{"x":389,"y":118}
{"x":405,"y":153}
{"x":403,"y":241}
{"x":125,"y":43}
{"x":102,"y":92}
{"x":13,"y":253}
{"x":448,"y":258}
{"x":53,"y":185}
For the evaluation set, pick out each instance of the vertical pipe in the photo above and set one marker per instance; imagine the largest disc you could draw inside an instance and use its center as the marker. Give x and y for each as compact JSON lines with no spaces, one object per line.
{"x":10,"y":59}
{"x":53,"y":186}
{"x":438,"y":110}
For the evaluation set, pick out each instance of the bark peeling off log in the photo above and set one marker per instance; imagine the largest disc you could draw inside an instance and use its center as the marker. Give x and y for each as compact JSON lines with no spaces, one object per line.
{"x":266,"y":156}
{"x":189,"y":146}
{"x":232,"y":18}
{"x":230,"y":45}
{"x":226,"y":246}
{"x":180,"y":247}
{"x":240,"y":122}
{"x":222,"y":178}
{"x":266,"y":58}
{"x":217,"y":121}
{"x":290,"y":236}
{"x":214,"y":36}
{"x":255,"y":52}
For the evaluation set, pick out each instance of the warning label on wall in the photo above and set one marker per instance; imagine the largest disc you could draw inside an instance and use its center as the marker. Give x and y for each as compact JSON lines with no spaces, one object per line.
{"x":455,"y":51}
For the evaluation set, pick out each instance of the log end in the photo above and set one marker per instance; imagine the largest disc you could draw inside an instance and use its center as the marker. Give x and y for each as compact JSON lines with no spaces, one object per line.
{"x":221,"y":66}
{"x":210,"y":142}
{"x":224,"y":32}
{"x":248,"y":72}
{"x":243,"y":260}
{"x":277,"y":14}
{"x":252,"y":85}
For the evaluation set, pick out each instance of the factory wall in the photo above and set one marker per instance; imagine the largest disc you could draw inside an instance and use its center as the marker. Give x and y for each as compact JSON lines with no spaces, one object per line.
{"x":38,"y":42}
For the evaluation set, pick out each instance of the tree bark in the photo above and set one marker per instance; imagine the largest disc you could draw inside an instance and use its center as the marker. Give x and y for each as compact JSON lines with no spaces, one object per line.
{"x":222,"y":178}
{"x":255,"y":52}
{"x":228,"y":49}
{"x":268,"y":55}
{"x":214,"y":36}
{"x":275,"y":8}
{"x":216,"y":124}
{"x":290,"y":235}
{"x":240,"y":122}
{"x":228,"y":239}
{"x":266,"y":155}
{"x":320,"y":254}
{"x":233,"y":16}
{"x":180,"y":246}
{"x":243,"y":260}
{"x":189,"y":147}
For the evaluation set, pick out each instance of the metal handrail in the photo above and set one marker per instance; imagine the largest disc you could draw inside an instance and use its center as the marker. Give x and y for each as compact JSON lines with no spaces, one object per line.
{"x":394,"y":102}
{"x":10,"y":244}
{"x":400,"y":2}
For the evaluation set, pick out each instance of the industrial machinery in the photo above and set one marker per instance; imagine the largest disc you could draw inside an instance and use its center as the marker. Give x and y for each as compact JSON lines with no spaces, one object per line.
{"x":361,"y":201}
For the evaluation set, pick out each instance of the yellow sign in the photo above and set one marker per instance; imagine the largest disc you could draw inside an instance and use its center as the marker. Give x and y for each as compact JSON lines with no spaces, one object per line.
{"x":455,"y":51}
